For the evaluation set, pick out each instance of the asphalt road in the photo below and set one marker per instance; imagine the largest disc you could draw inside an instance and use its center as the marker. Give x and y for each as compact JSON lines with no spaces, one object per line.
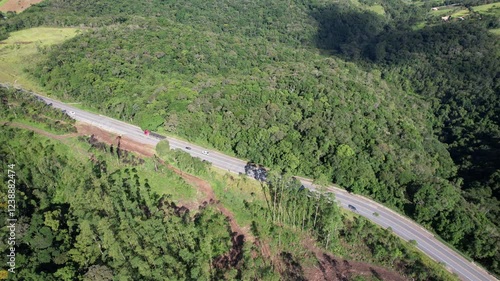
{"x":401,"y":226}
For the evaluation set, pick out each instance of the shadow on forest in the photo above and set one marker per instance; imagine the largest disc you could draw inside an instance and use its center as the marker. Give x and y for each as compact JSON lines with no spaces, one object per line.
{"x":347,"y":32}
{"x":357,"y":35}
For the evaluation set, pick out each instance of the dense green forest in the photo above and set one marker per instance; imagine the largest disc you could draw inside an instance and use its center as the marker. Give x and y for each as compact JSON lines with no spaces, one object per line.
{"x":408,"y":116}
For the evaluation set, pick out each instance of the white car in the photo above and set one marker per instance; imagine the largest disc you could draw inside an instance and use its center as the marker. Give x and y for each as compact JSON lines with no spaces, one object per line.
{"x":71,"y":113}
{"x":205,"y":152}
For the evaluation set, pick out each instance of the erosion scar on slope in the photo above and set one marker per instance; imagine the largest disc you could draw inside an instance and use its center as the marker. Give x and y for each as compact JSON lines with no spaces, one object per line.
{"x":206,"y":189}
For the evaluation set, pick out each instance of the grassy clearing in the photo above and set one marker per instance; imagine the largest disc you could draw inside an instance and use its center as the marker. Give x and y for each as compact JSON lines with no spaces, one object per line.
{"x":433,"y":3}
{"x":460,"y":13}
{"x":175,"y":185}
{"x":163,"y":181}
{"x":495,"y":31}
{"x":22,"y":49}
{"x":377,"y":9}
{"x":233,"y":190}
{"x":37,"y":125}
{"x":419,"y":25}
{"x":493,"y":8}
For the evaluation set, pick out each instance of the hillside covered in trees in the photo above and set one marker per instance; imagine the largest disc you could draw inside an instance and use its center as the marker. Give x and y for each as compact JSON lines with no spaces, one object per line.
{"x":405,"y":113}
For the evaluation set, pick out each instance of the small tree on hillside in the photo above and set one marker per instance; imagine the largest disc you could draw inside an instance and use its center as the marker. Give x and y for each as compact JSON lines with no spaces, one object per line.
{"x":163,"y":149}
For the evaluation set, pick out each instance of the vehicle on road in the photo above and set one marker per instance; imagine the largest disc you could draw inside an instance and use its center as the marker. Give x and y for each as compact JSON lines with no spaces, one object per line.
{"x":188,"y":148}
{"x":256,"y":171}
{"x":351,"y":207}
{"x":71,"y":113}
{"x":205,"y":152}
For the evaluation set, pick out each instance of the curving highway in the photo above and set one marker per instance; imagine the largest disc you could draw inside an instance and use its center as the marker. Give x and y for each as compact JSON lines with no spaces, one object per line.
{"x":377,"y":213}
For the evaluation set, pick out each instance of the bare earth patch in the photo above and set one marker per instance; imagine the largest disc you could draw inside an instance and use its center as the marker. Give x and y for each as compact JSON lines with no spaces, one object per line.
{"x":18,"y":5}
{"x":110,"y":138}
{"x":238,"y":236}
{"x":207,"y":190}
{"x":330,"y":268}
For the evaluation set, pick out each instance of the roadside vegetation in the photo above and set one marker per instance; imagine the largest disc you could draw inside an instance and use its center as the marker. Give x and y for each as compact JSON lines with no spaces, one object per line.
{"x":113,"y":221}
{"x":289,"y":218}
{"x":332,"y":91}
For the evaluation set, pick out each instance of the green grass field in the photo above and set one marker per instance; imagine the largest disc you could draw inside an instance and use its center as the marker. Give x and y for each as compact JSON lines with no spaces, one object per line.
{"x":165,"y":181}
{"x":22,"y":50}
{"x":377,"y":9}
{"x":493,"y":8}
{"x":433,"y":3}
{"x":419,"y":25}
{"x":495,"y":31}
{"x":460,"y":13}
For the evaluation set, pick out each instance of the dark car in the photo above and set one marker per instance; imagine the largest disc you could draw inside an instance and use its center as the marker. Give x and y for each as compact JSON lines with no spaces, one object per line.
{"x":351,"y":207}
{"x":188,"y":148}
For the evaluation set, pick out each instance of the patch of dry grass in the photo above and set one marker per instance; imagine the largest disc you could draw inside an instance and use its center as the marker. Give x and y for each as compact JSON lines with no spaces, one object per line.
{"x":23,"y":49}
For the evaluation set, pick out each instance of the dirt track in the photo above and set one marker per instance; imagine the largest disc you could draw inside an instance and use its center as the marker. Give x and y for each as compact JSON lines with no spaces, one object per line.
{"x":18,"y":5}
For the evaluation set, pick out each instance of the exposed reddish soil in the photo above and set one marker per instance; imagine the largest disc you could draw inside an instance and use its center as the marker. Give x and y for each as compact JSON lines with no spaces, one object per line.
{"x":18,"y":5}
{"x":110,"y":138}
{"x":330,"y":268}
